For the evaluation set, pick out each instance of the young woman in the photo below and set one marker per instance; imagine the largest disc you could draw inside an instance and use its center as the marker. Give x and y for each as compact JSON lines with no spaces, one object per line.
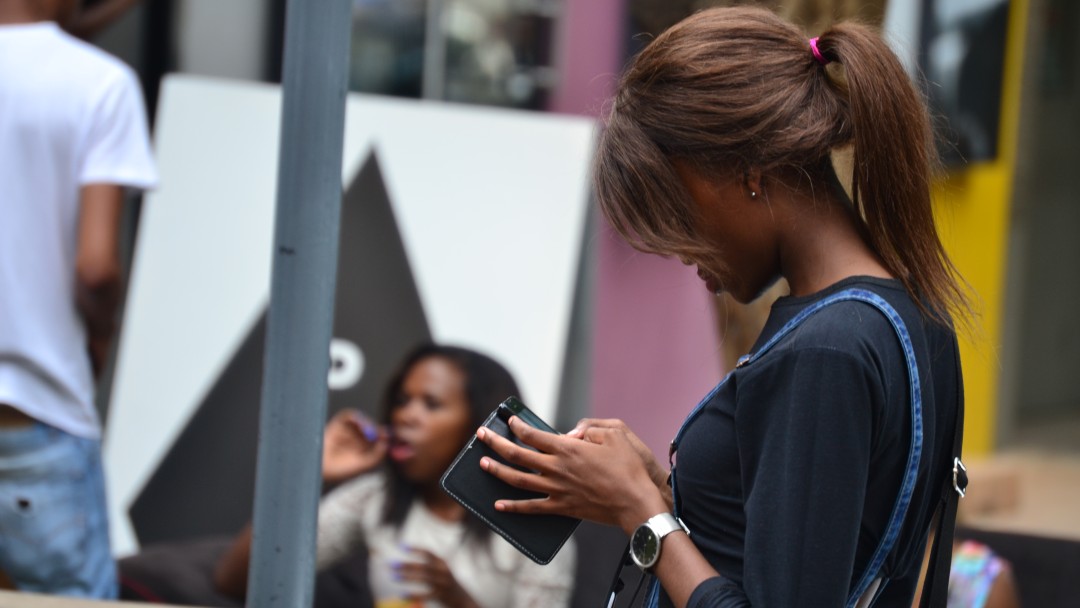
{"x":424,"y":548}
{"x":791,"y":473}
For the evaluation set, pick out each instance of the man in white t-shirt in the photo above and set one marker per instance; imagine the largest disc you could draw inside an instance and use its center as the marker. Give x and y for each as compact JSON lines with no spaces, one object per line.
{"x":72,"y":136}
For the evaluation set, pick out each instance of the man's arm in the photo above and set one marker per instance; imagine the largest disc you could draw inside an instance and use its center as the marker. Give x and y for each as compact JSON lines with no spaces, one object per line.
{"x":98,"y":284}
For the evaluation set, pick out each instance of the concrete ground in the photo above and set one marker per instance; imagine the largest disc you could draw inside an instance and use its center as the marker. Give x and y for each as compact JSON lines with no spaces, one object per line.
{"x":1032,"y":485}
{"x":1033,"y":488}
{"x":9,"y":599}
{"x":1025,"y":490}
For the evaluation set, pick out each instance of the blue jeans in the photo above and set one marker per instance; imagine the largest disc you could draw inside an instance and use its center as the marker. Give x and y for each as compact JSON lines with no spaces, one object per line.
{"x":54,"y":533}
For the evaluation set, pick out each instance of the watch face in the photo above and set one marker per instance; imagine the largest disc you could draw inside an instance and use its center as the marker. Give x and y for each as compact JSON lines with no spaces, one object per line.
{"x":645,"y":546}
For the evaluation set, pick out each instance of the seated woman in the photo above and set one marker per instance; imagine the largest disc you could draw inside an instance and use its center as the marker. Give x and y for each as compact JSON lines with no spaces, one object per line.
{"x":424,"y":548}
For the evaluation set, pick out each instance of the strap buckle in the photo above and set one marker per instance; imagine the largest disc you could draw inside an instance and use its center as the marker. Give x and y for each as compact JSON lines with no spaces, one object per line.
{"x":959,"y":477}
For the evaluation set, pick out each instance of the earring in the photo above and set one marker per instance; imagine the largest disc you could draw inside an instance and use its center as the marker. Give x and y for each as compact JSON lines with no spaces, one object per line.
{"x":753,"y":194}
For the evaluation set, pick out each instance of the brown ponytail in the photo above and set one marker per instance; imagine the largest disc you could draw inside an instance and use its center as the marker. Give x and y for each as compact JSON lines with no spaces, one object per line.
{"x":894,"y":159}
{"x":738,"y":88}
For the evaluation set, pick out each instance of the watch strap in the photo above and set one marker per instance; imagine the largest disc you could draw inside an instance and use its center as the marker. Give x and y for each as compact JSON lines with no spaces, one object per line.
{"x":666,"y":523}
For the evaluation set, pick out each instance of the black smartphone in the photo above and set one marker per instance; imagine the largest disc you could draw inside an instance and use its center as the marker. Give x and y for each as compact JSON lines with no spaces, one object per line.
{"x":514,"y":407}
{"x":538,"y":536}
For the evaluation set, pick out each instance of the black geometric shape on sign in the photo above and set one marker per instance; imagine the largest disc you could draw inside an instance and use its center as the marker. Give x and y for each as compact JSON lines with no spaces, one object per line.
{"x":377,"y":305}
{"x":206,"y":482}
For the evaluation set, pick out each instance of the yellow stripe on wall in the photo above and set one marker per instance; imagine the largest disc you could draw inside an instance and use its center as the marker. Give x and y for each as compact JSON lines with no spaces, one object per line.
{"x":973,"y":210}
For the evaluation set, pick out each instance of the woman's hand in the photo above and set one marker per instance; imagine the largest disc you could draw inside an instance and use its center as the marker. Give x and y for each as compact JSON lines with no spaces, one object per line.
{"x":657,"y":472}
{"x":598,"y":473}
{"x":433,"y":572}
{"x":352,"y":445}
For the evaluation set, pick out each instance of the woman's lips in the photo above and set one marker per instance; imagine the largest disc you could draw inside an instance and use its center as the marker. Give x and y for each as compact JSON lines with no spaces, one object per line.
{"x":401,"y":451}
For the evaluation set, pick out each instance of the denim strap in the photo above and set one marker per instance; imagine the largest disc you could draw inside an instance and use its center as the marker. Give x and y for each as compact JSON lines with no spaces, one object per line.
{"x":903,"y":498}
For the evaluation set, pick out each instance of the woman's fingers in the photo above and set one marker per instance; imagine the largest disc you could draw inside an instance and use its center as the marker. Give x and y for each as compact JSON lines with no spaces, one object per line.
{"x":352,"y":445}
{"x":604,"y":423}
{"x":379,"y":448}
{"x":535,"y":464}
{"x":350,"y":429}
{"x":433,"y":572}
{"x":525,"y":480}
{"x":363,"y":426}
{"x":595,"y":430}
{"x":512,"y":452}
{"x":544,"y":441}
{"x":583,"y":425}
{"x":422,"y":570}
{"x":533,"y":506}
{"x":602,"y":475}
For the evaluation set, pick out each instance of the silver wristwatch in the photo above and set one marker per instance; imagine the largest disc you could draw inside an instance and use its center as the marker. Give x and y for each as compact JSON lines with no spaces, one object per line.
{"x":645,"y":543}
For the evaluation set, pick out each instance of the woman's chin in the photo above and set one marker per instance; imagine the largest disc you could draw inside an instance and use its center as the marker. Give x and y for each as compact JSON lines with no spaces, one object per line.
{"x":714,"y":286}
{"x":417,"y":475}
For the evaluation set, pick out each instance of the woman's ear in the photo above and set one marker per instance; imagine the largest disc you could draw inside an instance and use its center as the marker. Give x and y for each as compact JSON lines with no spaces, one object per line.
{"x":752,"y":182}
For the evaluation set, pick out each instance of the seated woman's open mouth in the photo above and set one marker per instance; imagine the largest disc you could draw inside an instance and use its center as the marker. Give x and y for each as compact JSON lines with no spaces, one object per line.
{"x":401,"y":450}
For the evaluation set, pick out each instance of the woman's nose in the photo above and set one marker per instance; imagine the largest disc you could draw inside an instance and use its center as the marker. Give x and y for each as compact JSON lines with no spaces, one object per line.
{"x":409,"y":412}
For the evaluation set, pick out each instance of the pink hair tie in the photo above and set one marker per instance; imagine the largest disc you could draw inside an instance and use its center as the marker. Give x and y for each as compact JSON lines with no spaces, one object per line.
{"x":817,"y":52}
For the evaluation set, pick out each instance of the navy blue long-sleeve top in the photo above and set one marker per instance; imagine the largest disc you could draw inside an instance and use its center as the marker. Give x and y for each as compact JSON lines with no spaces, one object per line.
{"x":788,"y":476}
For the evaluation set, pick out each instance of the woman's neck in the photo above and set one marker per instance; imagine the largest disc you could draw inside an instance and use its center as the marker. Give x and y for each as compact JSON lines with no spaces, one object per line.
{"x":440,"y":504}
{"x":824,"y":245}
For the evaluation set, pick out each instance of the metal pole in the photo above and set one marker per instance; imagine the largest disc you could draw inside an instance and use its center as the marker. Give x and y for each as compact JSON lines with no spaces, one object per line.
{"x":433,"y":85}
{"x":301,"y":313}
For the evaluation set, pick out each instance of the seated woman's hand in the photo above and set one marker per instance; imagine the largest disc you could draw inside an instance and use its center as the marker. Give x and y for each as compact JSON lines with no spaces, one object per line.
{"x":599,"y":475}
{"x":352,"y":445}
{"x":432,"y":572}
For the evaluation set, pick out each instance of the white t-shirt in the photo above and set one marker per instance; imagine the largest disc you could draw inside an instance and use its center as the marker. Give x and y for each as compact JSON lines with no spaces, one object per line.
{"x":70,"y":115}
{"x":496,"y":575}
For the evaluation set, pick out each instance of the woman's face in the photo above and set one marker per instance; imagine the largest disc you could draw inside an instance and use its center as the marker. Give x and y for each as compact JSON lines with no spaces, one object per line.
{"x":429,"y":420}
{"x":740,"y":230}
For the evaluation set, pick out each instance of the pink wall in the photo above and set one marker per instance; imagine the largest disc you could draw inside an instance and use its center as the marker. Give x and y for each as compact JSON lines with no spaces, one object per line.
{"x":655,"y":351}
{"x":590,"y":53}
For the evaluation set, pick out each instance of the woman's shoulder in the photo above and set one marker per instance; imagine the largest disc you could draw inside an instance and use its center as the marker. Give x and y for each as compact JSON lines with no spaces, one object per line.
{"x":844,"y":317}
{"x":362,"y":489}
{"x":826,"y":331}
{"x":347,"y":515}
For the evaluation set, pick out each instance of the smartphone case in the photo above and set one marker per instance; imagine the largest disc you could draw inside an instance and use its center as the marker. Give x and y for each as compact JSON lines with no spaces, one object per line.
{"x":538,"y":536}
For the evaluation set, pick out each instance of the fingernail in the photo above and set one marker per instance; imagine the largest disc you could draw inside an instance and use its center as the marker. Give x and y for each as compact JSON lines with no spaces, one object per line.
{"x":481,"y":433}
{"x":484,"y":463}
{"x":371,"y":432}
{"x":500,"y":506}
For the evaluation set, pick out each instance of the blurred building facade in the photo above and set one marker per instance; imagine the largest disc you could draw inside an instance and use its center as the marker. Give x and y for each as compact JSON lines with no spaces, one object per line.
{"x":1006,"y":204}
